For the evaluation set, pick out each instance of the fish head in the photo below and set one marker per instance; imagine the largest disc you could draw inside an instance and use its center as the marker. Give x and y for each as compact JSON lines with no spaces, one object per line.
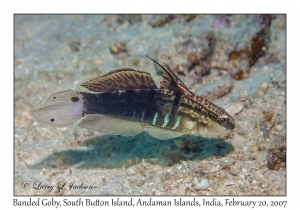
{"x":218,"y":126}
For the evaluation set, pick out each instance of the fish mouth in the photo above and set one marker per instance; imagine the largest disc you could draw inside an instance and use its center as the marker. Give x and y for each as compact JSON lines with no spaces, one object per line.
{"x":231,"y":125}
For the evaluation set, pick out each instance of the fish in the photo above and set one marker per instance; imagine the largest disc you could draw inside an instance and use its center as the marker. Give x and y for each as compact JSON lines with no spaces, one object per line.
{"x":127,"y":101}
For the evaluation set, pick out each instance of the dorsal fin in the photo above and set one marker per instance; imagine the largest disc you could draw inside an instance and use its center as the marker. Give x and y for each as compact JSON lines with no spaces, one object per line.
{"x":121,"y":79}
{"x":170,"y":80}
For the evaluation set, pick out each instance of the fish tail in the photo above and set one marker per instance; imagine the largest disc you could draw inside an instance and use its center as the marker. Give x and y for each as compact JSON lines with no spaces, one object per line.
{"x":61,"y":108}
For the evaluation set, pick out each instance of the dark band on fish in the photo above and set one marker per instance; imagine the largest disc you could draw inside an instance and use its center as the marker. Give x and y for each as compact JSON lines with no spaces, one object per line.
{"x":130,"y":104}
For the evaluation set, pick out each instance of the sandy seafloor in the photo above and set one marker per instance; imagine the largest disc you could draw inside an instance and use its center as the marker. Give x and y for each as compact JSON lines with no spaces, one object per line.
{"x":58,"y":52}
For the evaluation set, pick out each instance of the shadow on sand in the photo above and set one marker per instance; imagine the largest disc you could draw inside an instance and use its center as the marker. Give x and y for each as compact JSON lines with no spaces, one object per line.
{"x":109,"y":151}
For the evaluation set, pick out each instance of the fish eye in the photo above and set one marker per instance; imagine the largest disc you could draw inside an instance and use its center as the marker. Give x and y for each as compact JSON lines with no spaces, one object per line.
{"x":52,"y":120}
{"x":223,"y":119}
{"x":74,"y":99}
{"x":54,"y":97}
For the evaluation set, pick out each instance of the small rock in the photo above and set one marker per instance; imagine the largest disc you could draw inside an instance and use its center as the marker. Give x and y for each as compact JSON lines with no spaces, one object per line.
{"x":74,"y":45}
{"x":279,"y":127}
{"x":193,"y":58}
{"x":202,"y":185}
{"x":157,"y":180}
{"x":180,"y":143}
{"x":265,"y":68}
{"x":130,"y":161}
{"x":260,"y":93}
{"x":276,"y":158}
{"x":261,"y":147}
{"x":181,"y":189}
{"x":107,"y":150}
{"x":269,"y":115}
{"x":254,"y":149}
{"x":118,"y":47}
{"x":229,"y":182}
{"x":43,"y":171}
{"x":238,"y":139}
{"x":153,"y":160}
{"x":180,"y":181}
{"x":235,"y":108}
{"x":264,"y":86}
{"x":192,"y":147}
{"x":214,"y":169}
{"x":130,"y":172}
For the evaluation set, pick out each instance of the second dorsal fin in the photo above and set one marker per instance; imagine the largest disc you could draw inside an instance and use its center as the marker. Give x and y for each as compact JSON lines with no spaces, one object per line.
{"x":121,"y":79}
{"x":170,"y":80}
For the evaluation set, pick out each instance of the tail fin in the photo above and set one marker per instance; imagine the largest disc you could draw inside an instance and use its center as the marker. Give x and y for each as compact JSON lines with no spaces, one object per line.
{"x":61,"y":108}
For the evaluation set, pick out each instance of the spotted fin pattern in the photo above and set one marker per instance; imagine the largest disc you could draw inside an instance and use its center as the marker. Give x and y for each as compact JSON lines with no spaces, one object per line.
{"x":61,"y":108}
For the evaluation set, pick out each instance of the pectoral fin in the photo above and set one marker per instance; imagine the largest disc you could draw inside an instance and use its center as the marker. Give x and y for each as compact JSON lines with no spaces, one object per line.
{"x":163,"y":134}
{"x":111,"y":125}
